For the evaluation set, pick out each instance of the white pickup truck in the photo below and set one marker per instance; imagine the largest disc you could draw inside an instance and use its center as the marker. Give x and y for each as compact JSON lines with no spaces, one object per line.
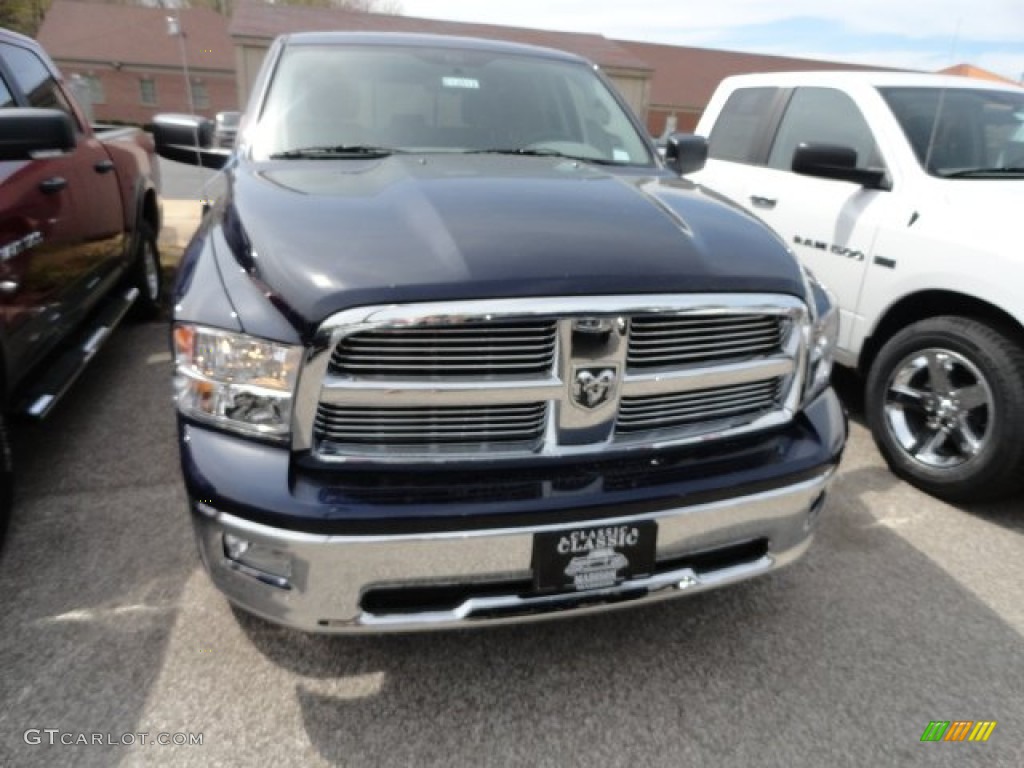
{"x":904,"y":194}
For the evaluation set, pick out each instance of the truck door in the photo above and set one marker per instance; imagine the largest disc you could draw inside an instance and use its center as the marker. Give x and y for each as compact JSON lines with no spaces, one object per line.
{"x":831,"y":225}
{"x":89,"y":233}
{"x":41,"y":240}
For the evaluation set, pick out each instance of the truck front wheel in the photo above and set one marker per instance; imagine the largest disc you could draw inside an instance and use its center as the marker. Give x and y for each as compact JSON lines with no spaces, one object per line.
{"x":145,"y":274}
{"x":945,"y":404}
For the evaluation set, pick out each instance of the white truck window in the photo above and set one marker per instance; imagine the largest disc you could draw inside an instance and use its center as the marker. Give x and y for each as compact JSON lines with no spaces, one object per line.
{"x":958,"y":130}
{"x":739,"y":130}
{"x":823,"y":116}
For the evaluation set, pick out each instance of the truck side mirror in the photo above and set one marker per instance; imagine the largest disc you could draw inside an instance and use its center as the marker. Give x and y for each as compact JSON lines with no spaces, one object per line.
{"x":686,"y":152}
{"x":188,"y":139}
{"x":26,"y":132}
{"x":832,"y":161}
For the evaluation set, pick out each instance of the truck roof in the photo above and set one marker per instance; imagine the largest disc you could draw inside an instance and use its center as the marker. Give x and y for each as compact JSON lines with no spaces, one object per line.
{"x":427,"y":41}
{"x":869,"y":77}
{"x":10,"y":36}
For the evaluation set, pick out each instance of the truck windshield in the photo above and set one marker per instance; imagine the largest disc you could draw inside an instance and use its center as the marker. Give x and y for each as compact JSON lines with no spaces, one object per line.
{"x":962,"y":132}
{"x":373,"y":100}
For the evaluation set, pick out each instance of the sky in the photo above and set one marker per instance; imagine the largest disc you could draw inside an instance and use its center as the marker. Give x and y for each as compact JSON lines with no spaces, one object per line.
{"x":912,"y":34}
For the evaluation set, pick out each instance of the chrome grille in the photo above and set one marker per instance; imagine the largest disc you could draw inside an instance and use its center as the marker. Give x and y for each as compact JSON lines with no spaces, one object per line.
{"x":431,"y":428}
{"x":677,"y":340}
{"x":560,"y":376}
{"x":475,"y":350}
{"x":702,"y":406}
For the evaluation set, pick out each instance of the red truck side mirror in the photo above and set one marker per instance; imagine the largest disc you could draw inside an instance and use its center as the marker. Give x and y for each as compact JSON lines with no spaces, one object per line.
{"x":188,"y":139}
{"x":26,"y":132}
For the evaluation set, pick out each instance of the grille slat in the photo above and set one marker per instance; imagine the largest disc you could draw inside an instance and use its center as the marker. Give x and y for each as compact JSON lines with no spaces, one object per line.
{"x":398,"y":338}
{"x":637,"y":406}
{"x":703,"y":339}
{"x":677,"y":340}
{"x":477,"y":350}
{"x":429,"y":427}
{"x":451,"y":364}
{"x":726,"y":352}
{"x":655,"y":325}
{"x":659,"y":412}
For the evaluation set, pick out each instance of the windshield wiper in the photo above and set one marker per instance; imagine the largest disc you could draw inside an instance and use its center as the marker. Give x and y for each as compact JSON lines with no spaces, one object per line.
{"x":540,"y":152}
{"x":984,"y":173}
{"x":338,"y":150}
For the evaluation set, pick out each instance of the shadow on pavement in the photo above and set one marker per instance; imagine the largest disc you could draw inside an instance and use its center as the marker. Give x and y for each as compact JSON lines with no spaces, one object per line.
{"x":842,"y":659}
{"x":97,"y":556}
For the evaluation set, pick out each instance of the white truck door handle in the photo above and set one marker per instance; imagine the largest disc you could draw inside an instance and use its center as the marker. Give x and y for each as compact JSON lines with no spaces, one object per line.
{"x":762,"y":202}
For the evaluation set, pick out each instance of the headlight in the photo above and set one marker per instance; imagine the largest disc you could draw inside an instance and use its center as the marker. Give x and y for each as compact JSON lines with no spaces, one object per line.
{"x":824,"y":336}
{"x":235,"y":381}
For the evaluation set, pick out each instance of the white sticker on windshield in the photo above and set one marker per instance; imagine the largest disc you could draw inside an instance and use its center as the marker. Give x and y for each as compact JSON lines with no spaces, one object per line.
{"x":460,"y":82}
{"x":620,"y":155}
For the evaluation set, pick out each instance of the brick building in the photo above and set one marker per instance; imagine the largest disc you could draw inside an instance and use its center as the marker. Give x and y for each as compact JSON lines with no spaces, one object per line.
{"x":129,"y":66}
{"x":125,"y":60}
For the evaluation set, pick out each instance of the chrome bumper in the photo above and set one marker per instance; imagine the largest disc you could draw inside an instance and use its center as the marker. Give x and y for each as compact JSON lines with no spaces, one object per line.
{"x":317,"y":583}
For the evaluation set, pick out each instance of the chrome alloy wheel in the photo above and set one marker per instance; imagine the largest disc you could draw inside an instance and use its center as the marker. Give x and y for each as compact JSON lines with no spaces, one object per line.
{"x":939,"y":408}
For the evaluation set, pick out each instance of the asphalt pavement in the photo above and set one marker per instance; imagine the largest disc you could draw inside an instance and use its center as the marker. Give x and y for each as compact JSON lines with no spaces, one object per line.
{"x":179,"y":181}
{"x":906,"y":610}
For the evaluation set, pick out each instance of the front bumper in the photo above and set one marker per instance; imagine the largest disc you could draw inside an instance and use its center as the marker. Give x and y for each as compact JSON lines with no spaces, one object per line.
{"x":436,"y":580}
{"x":425,"y":573}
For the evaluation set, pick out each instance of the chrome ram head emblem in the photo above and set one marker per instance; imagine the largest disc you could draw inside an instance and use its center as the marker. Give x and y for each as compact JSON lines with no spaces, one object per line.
{"x":593,"y":386}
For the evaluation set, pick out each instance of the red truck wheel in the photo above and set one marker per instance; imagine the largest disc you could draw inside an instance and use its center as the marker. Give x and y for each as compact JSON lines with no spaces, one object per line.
{"x":146,"y":275}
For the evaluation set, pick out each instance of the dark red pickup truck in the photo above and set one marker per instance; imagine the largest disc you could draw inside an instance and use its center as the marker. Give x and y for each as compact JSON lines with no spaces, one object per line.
{"x":79,"y":213}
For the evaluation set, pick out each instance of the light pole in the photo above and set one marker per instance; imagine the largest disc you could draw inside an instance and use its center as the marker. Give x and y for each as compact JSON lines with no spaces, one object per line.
{"x":174,"y":30}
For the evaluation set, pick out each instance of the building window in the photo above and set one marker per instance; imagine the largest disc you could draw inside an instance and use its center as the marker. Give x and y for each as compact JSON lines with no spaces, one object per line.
{"x":147,"y":91}
{"x":95,"y":89}
{"x":200,"y":99}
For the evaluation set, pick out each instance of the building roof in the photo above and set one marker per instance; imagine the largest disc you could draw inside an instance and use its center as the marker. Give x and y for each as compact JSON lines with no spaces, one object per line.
{"x":688,"y":76}
{"x":255,"y":20}
{"x":969,"y":70}
{"x":80,"y":31}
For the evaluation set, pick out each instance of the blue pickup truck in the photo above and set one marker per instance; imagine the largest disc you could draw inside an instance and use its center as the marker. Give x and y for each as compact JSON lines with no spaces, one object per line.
{"x":456,"y":346}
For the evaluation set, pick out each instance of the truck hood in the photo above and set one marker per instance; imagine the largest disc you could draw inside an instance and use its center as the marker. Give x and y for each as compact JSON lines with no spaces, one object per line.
{"x":316,"y":237}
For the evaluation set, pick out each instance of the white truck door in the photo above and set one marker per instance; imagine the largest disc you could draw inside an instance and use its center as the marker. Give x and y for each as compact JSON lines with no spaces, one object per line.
{"x":831,"y":225}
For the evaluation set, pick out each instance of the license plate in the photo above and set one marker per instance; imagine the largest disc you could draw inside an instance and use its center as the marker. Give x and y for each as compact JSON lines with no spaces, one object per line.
{"x":593,"y":557}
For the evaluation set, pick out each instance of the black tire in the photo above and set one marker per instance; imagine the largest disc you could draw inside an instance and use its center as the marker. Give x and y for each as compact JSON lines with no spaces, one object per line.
{"x":146,"y":275}
{"x":945,"y":404}
{"x":6,"y":480}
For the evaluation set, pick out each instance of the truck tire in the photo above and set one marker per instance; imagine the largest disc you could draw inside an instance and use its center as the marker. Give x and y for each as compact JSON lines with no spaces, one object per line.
{"x":945,"y":404}
{"x":6,"y":480}
{"x":145,"y":275}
